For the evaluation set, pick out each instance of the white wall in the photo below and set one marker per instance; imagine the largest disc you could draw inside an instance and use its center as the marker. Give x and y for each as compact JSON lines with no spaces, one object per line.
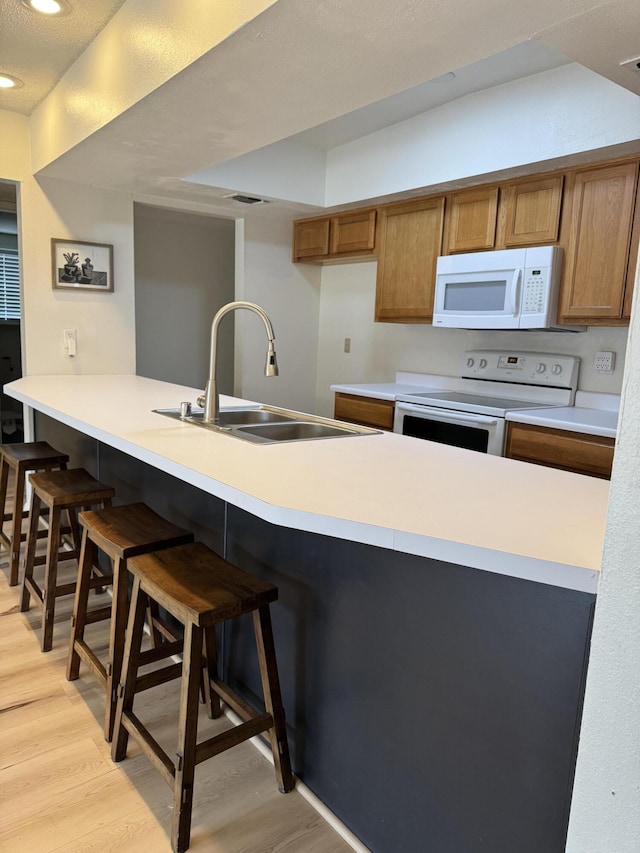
{"x":605,"y":812}
{"x":553,"y":114}
{"x":183,"y":275}
{"x":378,"y":350}
{"x":104,"y":321}
{"x":15,"y":148}
{"x":285,"y":170}
{"x":290,"y":295}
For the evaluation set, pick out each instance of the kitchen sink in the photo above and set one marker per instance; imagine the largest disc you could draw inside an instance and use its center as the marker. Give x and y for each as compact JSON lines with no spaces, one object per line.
{"x":292,"y":431}
{"x":269,"y":425}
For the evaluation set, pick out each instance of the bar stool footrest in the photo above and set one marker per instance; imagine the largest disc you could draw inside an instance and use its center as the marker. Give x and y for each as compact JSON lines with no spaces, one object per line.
{"x":232,"y":737}
{"x":151,"y":748}
{"x":161,"y":652}
{"x":159,"y":676}
{"x":96,"y":667}
{"x":233,"y":700}
{"x":97,"y":615}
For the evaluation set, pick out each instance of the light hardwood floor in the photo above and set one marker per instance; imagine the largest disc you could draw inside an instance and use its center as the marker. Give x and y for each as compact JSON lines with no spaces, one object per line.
{"x":60,"y":791}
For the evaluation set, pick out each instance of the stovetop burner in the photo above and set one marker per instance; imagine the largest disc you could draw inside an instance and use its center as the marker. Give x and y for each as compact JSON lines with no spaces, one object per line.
{"x":473,"y":402}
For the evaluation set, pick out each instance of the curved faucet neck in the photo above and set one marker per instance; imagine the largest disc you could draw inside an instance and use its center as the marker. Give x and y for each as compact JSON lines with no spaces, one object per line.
{"x":212,"y":396}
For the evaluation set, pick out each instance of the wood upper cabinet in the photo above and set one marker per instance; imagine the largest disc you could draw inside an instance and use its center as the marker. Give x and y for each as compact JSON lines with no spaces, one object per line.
{"x":335,"y":237}
{"x":471,"y":220}
{"x":598,"y":231}
{"x":311,"y":238}
{"x":409,"y":245}
{"x":353,"y":232}
{"x":530,"y":212}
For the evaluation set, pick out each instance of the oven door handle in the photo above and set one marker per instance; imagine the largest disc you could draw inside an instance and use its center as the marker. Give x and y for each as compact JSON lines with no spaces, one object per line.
{"x":446,"y":414}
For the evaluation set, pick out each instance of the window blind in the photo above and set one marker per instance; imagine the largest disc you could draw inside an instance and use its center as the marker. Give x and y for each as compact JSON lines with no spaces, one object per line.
{"x":9,"y":285}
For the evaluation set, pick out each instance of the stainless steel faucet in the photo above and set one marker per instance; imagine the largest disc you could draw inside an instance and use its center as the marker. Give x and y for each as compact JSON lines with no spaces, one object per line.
{"x":211,"y":395}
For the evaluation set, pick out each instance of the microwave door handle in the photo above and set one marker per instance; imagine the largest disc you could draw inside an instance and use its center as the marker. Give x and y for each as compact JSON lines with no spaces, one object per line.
{"x":446,"y":414}
{"x":515,"y":291}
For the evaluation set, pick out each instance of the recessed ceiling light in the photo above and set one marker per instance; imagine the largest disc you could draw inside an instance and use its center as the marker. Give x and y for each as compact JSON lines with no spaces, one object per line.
{"x":48,"y":7}
{"x":9,"y":82}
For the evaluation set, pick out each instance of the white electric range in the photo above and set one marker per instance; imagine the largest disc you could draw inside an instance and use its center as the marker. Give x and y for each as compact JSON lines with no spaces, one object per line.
{"x":493,"y":383}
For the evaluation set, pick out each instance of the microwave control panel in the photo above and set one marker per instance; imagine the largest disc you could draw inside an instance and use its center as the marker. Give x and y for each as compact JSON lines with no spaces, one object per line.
{"x":535,"y":290}
{"x":528,"y":368}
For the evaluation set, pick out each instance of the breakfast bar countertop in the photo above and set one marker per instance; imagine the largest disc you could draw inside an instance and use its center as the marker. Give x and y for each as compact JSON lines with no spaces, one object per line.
{"x":386,"y":490}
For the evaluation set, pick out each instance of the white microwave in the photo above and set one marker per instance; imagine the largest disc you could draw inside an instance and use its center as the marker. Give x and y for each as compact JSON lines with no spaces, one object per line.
{"x":504,"y":289}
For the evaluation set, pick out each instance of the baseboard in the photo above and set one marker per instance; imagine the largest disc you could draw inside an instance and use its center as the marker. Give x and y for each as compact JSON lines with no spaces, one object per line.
{"x":343,"y":831}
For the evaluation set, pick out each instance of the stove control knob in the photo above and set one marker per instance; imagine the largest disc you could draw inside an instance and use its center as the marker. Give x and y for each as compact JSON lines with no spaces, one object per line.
{"x":470,"y":362}
{"x":556,"y":369}
{"x":483,"y":363}
{"x":541,"y":367}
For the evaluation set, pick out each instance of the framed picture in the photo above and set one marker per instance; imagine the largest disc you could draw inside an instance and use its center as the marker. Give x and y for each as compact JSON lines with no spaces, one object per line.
{"x":78,"y":265}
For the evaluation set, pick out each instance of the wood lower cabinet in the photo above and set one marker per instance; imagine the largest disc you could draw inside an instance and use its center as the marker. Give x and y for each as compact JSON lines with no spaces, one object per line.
{"x":366,"y":411}
{"x":409,"y":245}
{"x":335,"y":238}
{"x":579,"y":452}
{"x":471,"y":220}
{"x":598,"y":273}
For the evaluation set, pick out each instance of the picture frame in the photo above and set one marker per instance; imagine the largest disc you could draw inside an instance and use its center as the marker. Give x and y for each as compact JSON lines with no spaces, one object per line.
{"x":82,"y":265}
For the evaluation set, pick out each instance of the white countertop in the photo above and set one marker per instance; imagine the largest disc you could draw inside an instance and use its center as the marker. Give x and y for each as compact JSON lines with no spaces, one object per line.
{"x":593,"y":413}
{"x":386,"y":490}
{"x":571,"y":418}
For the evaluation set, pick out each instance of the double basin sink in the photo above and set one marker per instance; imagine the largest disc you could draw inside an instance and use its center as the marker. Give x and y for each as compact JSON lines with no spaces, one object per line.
{"x":268,"y":425}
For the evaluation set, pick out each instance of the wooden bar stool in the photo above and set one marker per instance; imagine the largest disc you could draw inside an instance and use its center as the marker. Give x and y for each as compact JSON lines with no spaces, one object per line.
{"x":22,"y":458}
{"x":199,"y":589}
{"x":60,"y":491}
{"x":120,"y":532}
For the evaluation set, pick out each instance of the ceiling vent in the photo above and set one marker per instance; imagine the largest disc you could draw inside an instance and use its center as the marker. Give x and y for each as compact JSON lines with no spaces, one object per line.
{"x":246,"y":199}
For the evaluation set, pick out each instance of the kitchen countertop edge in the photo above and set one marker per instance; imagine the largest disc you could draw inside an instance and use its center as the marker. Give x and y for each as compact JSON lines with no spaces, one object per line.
{"x":566,"y":575}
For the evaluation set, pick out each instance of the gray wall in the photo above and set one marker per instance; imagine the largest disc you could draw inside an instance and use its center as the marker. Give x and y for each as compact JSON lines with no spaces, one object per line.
{"x":184,"y":272}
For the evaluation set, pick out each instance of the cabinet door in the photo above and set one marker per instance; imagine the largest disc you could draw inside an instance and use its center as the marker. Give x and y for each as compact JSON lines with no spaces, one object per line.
{"x":368,"y":411}
{"x":532,"y":211}
{"x":633,"y":260}
{"x":471,"y":220}
{"x":598,"y":242}
{"x":557,"y":448}
{"x":410,"y":240}
{"x":353,"y":232}
{"x":311,"y":238}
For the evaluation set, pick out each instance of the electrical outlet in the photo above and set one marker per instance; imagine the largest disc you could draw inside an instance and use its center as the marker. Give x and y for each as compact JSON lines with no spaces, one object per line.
{"x":604,"y":361}
{"x":347,"y":344}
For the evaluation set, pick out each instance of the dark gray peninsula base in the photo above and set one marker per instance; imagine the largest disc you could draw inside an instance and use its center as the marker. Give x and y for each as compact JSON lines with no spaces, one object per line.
{"x":434,"y":708}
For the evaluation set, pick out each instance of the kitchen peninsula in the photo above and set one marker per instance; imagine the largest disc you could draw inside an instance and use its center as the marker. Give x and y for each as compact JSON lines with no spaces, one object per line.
{"x":434,"y":614}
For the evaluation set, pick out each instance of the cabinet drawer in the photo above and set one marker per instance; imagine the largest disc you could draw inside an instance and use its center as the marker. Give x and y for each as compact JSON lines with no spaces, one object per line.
{"x":571,"y":451}
{"x":367,"y":411}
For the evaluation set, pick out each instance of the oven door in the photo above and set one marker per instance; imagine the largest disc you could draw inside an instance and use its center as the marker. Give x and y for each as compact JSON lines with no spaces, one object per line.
{"x":483,"y":433}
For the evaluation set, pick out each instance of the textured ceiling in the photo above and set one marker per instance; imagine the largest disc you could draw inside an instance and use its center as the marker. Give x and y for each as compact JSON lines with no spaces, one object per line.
{"x":294,"y":67}
{"x":38,"y":49}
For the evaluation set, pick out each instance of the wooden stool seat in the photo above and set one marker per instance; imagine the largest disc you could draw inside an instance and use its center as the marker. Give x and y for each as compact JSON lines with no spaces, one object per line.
{"x":119,"y":532}
{"x":59,"y":491}
{"x":199,"y":589}
{"x":21,"y":458}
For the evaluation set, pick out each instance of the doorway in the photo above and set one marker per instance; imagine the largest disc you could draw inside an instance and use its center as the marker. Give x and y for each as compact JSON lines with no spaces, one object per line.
{"x":11,"y":416}
{"x":184,"y":272}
